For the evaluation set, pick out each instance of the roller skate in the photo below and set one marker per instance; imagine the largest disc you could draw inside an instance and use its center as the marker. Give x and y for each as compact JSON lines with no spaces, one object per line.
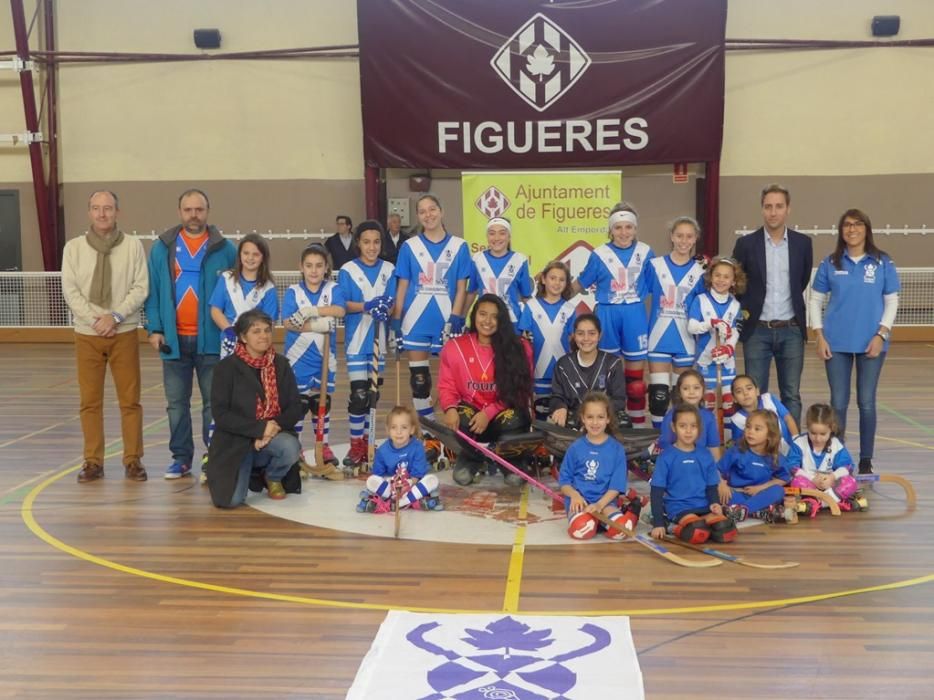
{"x":367,"y":502}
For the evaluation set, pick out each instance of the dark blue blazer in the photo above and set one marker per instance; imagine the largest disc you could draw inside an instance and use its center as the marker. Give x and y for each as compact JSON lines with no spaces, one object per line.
{"x":749,"y":252}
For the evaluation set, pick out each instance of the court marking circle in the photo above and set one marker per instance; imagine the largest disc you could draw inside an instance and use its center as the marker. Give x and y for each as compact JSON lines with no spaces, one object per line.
{"x":26,"y":512}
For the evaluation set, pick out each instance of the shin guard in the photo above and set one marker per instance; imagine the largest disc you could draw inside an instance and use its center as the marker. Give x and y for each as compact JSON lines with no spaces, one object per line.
{"x":693,"y":529}
{"x":722,"y":528}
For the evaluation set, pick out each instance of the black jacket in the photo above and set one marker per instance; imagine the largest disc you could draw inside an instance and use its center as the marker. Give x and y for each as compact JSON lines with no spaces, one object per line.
{"x":749,"y":252}
{"x":570,"y":382}
{"x":339,"y":254}
{"x":234,"y":390}
{"x":389,"y":251}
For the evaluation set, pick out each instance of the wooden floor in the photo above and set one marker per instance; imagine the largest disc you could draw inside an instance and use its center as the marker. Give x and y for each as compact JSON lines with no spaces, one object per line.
{"x":127,"y":590}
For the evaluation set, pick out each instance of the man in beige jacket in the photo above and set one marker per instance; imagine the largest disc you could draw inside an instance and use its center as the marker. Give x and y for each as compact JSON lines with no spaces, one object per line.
{"x":105,"y":281}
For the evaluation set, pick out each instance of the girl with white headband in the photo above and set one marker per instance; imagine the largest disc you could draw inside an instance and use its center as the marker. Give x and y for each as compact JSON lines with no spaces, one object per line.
{"x":673,"y":281}
{"x":616,"y":269}
{"x":499,"y":270}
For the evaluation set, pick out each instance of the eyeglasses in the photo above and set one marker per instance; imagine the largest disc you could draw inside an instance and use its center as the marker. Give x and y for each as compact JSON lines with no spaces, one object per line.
{"x":854,"y":224}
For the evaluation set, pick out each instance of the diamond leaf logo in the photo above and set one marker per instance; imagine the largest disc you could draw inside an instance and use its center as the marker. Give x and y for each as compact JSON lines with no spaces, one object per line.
{"x":492,"y":202}
{"x":540,"y":62}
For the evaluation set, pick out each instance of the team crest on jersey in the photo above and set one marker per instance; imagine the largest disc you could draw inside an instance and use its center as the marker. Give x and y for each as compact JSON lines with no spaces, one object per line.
{"x":492,"y":202}
{"x":592,"y":465}
{"x":869,"y":274}
{"x":402,"y":465}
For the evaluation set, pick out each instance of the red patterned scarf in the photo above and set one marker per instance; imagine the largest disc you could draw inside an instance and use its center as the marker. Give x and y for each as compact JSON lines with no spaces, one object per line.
{"x":267,"y":375}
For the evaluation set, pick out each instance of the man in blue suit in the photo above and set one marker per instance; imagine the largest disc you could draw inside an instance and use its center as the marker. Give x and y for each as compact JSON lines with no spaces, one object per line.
{"x":778,"y":262}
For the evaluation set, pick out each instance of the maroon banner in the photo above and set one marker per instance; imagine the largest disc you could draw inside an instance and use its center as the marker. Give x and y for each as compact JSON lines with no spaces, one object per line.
{"x":528,"y":84}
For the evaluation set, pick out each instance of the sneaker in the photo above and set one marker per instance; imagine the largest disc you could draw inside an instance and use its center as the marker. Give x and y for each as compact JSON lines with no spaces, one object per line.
{"x":865,"y":465}
{"x":204,"y":470}
{"x":90,"y":471}
{"x":177,"y":470}
{"x":432,"y":502}
{"x":738,"y":512}
{"x":328,"y":456}
{"x":135,"y":471}
{"x":275,"y":490}
{"x":357,"y":455}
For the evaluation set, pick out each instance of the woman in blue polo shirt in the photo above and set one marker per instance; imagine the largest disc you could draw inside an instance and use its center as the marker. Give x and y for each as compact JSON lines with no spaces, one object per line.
{"x":862,"y":283}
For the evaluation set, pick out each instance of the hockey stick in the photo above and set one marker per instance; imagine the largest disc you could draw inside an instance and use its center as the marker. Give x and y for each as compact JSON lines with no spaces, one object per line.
{"x":374,"y":394}
{"x":487,"y":452}
{"x":655,"y":547}
{"x":647,"y":543}
{"x":910,"y":495}
{"x":815,"y":494}
{"x":322,"y":402}
{"x":733,"y":558}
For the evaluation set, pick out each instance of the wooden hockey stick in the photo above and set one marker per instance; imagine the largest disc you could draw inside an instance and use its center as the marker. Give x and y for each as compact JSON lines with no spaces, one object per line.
{"x":910,"y":495}
{"x":656,"y":548}
{"x":322,"y":403}
{"x":733,"y":558}
{"x":814,"y":493}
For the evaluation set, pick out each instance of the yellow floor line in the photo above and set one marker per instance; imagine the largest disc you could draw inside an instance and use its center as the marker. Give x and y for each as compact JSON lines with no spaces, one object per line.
{"x":514,"y":576}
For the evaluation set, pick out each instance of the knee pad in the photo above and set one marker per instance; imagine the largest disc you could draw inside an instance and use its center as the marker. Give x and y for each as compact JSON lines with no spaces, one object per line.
{"x":420,"y":381}
{"x":845,"y":487}
{"x":635,"y":387}
{"x":583,"y":526}
{"x":659,"y":395}
{"x":722,"y":528}
{"x":310,"y":404}
{"x":801,"y":482}
{"x":359,"y":402}
{"x":511,"y":421}
{"x":692,"y":529}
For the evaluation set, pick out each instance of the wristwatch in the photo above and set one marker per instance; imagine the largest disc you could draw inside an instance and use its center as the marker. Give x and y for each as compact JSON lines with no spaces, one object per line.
{"x":117,"y":317}
{"x":884,"y":335}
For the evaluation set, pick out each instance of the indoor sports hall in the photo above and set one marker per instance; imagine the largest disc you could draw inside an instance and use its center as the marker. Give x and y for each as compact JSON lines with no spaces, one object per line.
{"x":292,"y":114}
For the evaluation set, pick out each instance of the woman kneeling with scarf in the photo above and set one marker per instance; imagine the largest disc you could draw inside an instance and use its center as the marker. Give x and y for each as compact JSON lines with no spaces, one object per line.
{"x":255,"y":402}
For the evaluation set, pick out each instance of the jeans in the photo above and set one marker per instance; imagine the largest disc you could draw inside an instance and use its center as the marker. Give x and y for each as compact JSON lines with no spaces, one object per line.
{"x":839,"y":370}
{"x":276,"y":458}
{"x":177,"y":378}
{"x":786,"y":345}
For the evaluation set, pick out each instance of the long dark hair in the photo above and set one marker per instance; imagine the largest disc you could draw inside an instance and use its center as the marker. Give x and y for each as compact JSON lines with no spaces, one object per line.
{"x":510,"y":361}
{"x":263,"y":274}
{"x":871,"y":249}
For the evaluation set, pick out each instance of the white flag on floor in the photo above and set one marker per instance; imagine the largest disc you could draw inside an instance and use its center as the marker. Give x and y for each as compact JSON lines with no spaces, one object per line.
{"x":427,"y":656}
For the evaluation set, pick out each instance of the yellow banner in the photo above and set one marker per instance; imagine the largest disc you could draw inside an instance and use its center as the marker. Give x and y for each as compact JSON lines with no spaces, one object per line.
{"x":554,"y":214}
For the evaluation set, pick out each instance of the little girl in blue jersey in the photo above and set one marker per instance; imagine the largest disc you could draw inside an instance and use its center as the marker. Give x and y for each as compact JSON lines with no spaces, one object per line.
{"x":684,"y":486}
{"x":616,"y":269}
{"x":548,"y":321}
{"x":826,"y":465}
{"x":673,"y":281}
{"x":402,"y":456}
{"x":754,"y":472}
{"x":689,"y":389}
{"x":432,"y":271}
{"x":499,"y":270}
{"x":712,"y":319}
{"x":593,"y":474}
{"x":369,"y":288}
{"x":747,"y":398}
{"x":308,"y":310}
{"x":249,"y":285}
